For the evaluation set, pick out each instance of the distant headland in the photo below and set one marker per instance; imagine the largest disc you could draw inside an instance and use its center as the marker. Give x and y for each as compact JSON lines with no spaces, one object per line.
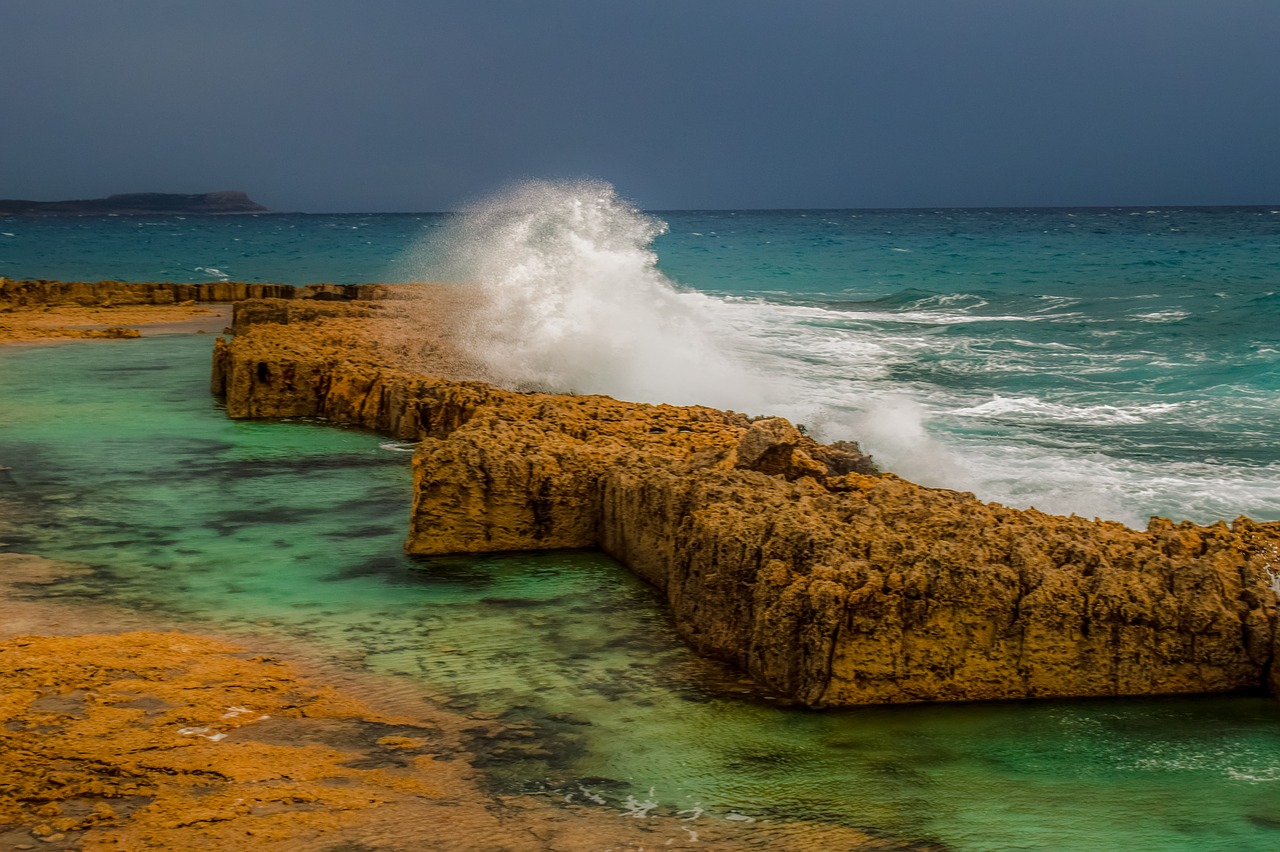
{"x":140,"y":203}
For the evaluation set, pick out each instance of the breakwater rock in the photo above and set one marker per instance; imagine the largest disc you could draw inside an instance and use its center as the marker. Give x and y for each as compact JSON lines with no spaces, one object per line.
{"x":827,"y":581}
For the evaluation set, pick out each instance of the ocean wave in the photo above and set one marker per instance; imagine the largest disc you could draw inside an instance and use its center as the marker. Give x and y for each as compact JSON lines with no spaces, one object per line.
{"x":915,"y":299}
{"x":572,"y":300}
{"x":941,"y":318}
{"x":1070,"y":403}
{"x":908,"y":396}
{"x":1112,"y":487}
{"x":1028,"y":407}
{"x":213,"y":272}
{"x":1166,"y":315}
{"x":847,"y":314}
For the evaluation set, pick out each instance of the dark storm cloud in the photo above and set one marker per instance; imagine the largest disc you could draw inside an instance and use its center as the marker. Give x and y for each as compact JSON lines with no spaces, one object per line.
{"x":382,"y":105}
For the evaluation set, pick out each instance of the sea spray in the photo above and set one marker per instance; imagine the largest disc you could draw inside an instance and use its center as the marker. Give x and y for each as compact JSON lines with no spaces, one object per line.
{"x":999,"y":356}
{"x":573,"y":301}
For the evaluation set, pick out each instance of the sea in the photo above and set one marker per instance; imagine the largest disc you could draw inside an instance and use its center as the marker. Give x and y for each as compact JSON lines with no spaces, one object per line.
{"x":1108,"y":362}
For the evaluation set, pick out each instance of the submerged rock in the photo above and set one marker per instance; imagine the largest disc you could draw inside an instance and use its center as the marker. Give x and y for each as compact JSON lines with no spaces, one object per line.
{"x":800,"y":563}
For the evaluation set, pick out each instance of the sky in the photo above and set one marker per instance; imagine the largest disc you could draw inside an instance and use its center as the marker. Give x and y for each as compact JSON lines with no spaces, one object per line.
{"x":420,"y":105}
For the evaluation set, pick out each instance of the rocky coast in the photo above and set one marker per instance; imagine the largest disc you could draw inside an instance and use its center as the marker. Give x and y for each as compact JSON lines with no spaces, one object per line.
{"x":829,"y":582}
{"x":129,"y":730}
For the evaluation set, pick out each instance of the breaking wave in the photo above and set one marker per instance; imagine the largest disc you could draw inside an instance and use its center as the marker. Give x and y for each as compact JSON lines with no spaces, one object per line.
{"x":1027,"y":399}
{"x":573,"y":301}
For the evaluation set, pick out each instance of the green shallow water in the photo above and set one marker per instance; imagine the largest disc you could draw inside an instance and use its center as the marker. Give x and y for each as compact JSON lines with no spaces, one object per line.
{"x":130,"y":467}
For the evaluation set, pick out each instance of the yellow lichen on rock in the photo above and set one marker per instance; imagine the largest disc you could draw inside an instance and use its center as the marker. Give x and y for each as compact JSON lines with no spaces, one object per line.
{"x":149,"y":740}
{"x":141,"y":740}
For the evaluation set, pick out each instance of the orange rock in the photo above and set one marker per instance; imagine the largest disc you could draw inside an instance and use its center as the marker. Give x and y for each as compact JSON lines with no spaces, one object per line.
{"x":825,"y":581}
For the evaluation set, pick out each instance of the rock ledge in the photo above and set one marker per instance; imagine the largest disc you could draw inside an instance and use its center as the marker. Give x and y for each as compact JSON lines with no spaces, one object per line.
{"x":825,"y":580}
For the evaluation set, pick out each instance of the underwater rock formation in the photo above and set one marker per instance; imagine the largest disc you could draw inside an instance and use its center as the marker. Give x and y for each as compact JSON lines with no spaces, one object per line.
{"x":828,"y":582}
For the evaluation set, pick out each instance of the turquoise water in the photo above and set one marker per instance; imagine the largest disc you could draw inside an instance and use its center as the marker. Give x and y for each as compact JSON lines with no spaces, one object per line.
{"x":1117,"y":362}
{"x":1112,"y":362}
{"x":1107,"y":362}
{"x":296,"y":528}
{"x":285,"y":249}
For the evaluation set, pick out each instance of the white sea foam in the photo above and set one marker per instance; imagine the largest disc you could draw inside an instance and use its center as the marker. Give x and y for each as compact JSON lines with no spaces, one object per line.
{"x":849,"y":382}
{"x":573,"y":301}
{"x":966,"y":300}
{"x":214,"y":272}
{"x":917,"y":317}
{"x":398,"y":446}
{"x":1026,"y":407}
{"x":1168,"y":315}
{"x":1071,"y":480}
{"x":894,"y":428}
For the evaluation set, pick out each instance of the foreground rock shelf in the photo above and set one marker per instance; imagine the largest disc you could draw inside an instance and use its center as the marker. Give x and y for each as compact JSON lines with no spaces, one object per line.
{"x":119,"y":733}
{"x":830,"y":583}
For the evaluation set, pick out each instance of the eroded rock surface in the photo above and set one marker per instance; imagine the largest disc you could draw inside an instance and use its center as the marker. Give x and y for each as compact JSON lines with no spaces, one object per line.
{"x":826,"y":581}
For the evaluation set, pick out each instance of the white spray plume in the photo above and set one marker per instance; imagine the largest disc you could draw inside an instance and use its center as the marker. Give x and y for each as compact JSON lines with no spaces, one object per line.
{"x":893,"y":428}
{"x":573,"y":301}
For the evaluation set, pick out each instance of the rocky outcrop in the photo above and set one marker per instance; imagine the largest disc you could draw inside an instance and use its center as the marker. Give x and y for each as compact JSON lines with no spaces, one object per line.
{"x":850,"y":588}
{"x":344,"y":362}
{"x":826,"y":581}
{"x":18,"y":295}
{"x":887,"y":592}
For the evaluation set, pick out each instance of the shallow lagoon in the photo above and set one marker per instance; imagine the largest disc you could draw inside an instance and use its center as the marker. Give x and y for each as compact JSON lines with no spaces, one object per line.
{"x":295,"y":527}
